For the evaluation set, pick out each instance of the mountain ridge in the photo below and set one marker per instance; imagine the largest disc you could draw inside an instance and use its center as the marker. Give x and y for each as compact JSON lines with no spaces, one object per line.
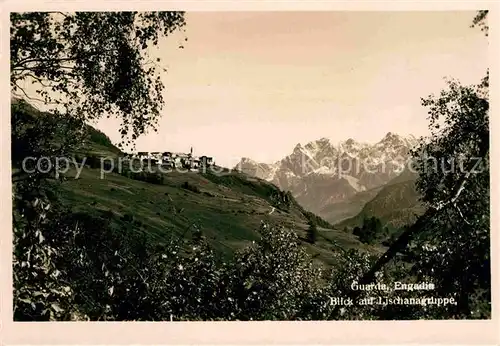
{"x":396,"y":204}
{"x":321,"y":173}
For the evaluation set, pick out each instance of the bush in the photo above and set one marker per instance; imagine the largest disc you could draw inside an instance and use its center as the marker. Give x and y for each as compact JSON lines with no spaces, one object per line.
{"x":93,"y":161}
{"x":152,"y":178}
{"x":99,"y":137}
{"x":370,"y":231}
{"x":272,"y":280}
{"x":312,"y":232}
{"x":190,"y":187}
{"x":128,"y":217}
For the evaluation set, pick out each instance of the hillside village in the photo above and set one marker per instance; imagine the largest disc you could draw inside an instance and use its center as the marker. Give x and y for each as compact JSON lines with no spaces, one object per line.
{"x":169,"y":159}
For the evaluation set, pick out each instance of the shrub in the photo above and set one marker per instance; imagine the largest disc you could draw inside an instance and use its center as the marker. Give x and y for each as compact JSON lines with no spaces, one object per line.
{"x":272,"y":279}
{"x":93,"y":161}
{"x":312,"y":232}
{"x":370,"y":231}
{"x":190,"y":187}
{"x":152,"y":178}
{"x":128,"y":217}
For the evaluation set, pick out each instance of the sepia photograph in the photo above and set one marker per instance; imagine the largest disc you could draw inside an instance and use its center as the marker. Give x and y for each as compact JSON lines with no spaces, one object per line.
{"x":250,"y":165}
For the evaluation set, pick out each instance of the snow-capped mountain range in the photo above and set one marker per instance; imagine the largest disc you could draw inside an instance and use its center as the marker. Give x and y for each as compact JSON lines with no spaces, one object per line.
{"x":321,"y":172}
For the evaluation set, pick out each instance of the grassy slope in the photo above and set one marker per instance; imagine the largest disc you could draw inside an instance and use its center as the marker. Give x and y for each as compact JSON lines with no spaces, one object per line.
{"x":228,"y":220}
{"x":228,"y":209}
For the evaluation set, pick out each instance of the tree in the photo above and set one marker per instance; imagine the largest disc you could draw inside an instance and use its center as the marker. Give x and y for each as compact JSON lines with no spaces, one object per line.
{"x":370,"y":230}
{"x":312,"y":232}
{"x":450,"y":241}
{"x":480,"y":20}
{"x":37,"y":134}
{"x":457,"y":190}
{"x":273,"y":279}
{"x":356,"y":231}
{"x":90,"y":64}
{"x":455,"y":243}
{"x":83,"y":65}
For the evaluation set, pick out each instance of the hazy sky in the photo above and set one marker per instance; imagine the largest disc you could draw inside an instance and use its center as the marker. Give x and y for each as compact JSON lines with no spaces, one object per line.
{"x":255,"y":84}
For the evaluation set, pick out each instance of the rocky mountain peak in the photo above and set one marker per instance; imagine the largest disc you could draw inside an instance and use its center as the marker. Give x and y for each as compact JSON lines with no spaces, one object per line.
{"x":246,"y":159}
{"x":314,"y":167}
{"x":350,"y":141}
{"x":390,"y":137}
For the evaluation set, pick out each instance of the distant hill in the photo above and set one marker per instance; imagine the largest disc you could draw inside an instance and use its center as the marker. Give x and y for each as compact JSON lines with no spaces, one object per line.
{"x":99,"y":141}
{"x":25,"y":115}
{"x":396,"y":204}
{"x":340,"y":211}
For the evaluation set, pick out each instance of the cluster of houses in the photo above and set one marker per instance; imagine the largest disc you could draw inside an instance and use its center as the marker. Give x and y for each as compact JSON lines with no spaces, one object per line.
{"x":173,"y":160}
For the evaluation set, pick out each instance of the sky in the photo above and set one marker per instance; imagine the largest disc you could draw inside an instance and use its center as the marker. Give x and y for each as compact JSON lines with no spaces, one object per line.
{"x":254,"y":84}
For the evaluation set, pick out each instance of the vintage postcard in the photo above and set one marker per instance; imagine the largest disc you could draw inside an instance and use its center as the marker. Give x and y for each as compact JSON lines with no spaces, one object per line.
{"x":259,"y":174}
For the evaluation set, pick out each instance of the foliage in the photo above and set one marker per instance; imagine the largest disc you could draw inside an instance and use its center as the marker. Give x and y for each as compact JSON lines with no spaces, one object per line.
{"x":40,"y":291}
{"x":84,"y":64}
{"x":190,"y":187}
{"x":453,"y":248}
{"x":351,"y":265}
{"x":273,"y":279}
{"x":460,"y":128}
{"x":36,"y":134}
{"x":370,"y":231}
{"x":148,"y":177}
{"x":312,"y":232}
{"x":116,"y":273}
{"x":98,"y":137}
{"x":393,"y":235}
{"x":90,"y":64}
{"x":480,"y":20}
{"x":456,"y":191}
